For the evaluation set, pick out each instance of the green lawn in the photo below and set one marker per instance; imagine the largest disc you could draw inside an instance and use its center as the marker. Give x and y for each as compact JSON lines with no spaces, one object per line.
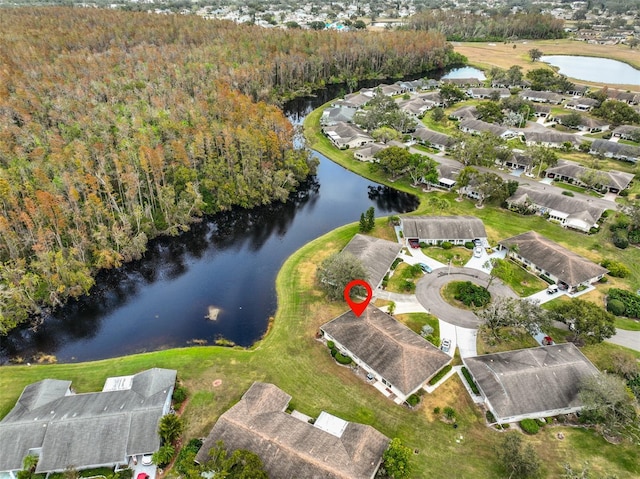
{"x":520,"y":280}
{"x":459,"y":256}
{"x":509,"y":340}
{"x":401,"y":275}
{"x":628,"y":324}
{"x":415,"y":322}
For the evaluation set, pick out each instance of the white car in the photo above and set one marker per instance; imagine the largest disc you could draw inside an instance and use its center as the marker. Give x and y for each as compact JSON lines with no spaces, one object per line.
{"x":446,"y":345}
{"x":147,"y":460}
{"x":477,"y":251}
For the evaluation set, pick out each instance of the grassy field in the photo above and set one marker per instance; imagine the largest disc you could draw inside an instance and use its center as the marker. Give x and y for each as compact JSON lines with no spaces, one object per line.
{"x":520,"y":280}
{"x":486,"y":55}
{"x":459,"y":256}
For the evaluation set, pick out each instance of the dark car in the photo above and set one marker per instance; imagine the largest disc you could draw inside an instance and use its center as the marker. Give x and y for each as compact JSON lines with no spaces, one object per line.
{"x":414,"y":243}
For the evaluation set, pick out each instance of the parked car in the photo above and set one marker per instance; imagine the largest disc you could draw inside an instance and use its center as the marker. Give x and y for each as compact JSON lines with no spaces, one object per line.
{"x":446,"y":345}
{"x":414,"y":243}
{"x":477,"y":242}
{"x":552,"y":288}
{"x":425,"y":267}
{"x":143,"y":475}
{"x":477,"y":251}
{"x":147,"y":460}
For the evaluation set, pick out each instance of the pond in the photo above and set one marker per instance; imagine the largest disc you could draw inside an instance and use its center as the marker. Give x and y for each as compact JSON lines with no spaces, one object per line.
{"x":601,"y":70}
{"x":465,"y":72}
{"x":215,"y":281}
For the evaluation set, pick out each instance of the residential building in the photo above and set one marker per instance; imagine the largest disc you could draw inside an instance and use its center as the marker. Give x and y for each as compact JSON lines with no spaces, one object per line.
{"x":368,"y":151}
{"x":484,"y":93}
{"x":541,"y":96}
{"x":531,"y":383}
{"x":463,"y":82}
{"x":552,"y":260}
{"x":390,"y":352}
{"x":345,"y":135}
{"x":569,"y":212}
{"x":608,"y":181}
{"x":433,"y":138}
{"x":551,"y":139}
{"x":468,"y":112}
{"x":479,"y":126}
{"x":289,"y":446}
{"x":581,"y":104}
{"x":612,"y":149}
{"x":414,"y":106}
{"x":434,"y":230}
{"x":334,"y":115}
{"x":111,"y":428}
{"x":627,"y":132}
{"x":588,"y":124}
{"x":377,"y":255}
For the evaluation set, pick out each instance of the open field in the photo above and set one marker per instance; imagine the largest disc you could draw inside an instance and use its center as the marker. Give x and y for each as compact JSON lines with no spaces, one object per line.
{"x":486,"y":55}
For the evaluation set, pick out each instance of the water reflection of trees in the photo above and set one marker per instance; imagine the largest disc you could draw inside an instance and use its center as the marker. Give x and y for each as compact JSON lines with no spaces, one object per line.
{"x":387,"y":199}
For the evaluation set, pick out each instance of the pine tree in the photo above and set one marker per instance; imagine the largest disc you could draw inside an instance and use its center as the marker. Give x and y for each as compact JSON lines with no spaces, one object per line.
{"x":363,"y":224}
{"x":371,"y":219}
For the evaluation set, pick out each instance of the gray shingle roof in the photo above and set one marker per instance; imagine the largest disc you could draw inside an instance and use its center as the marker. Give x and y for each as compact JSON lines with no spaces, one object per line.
{"x":433,"y":137}
{"x":610,"y":179}
{"x":564,"y":264}
{"x":85,"y":430}
{"x":482,"y":126}
{"x":291,"y":448}
{"x":443,"y":227}
{"x":376,"y":255}
{"x":531,"y":381}
{"x":399,"y":355}
{"x":616,"y":149}
{"x":551,"y":137}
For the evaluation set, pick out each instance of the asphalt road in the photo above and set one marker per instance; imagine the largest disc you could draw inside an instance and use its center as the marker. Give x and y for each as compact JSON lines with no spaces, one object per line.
{"x":428,"y":294}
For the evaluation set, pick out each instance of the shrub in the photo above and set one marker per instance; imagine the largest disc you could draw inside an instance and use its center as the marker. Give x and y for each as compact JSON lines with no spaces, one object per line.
{"x":436,"y":410}
{"x":331,"y":344}
{"x":440,"y":375}
{"x":630,"y":300}
{"x":179,"y":395}
{"x":408,"y":286}
{"x":423,"y":244}
{"x":446,"y":245}
{"x":413,"y":400}
{"x":603,"y":280}
{"x":472,"y":295}
{"x":634,"y":236}
{"x":186,"y":456}
{"x":449,"y":412}
{"x":394,"y":220}
{"x":396,"y":262}
{"x":163,"y":456}
{"x":470,"y":381}
{"x":490,"y":417}
{"x":620,"y":239}
{"x":615,"y":306}
{"x":547,"y":279}
{"x":469,"y":245}
{"x":530,"y":426}
{"x":567,"y":193}
{"x":616,"y":269}
{"x":342,"y":359}
{"x":624,"y":193}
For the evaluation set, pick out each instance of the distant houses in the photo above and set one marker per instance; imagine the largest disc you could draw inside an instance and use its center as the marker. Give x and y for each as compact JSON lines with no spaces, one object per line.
{"x":608,"y":181}
{"x":386,"y":349}
{"x":531,"y":383}
{"x":477,"y":127}
{"x":289,"y":446}
{"x":619,"y":151}
{"x":541,"y":96}
{"x":552,"y":260}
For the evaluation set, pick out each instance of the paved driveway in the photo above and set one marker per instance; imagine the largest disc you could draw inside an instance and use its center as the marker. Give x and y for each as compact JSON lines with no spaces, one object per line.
{"x":428,"y":293}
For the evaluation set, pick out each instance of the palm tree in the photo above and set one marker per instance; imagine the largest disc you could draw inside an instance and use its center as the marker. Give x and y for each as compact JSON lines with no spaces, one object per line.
{"x":170,"y":428}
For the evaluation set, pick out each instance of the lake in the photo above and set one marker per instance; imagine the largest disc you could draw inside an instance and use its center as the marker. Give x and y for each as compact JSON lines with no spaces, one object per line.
{"x":465,"y":72}
{"x":601,"y":70}
{"x":226,"y":264}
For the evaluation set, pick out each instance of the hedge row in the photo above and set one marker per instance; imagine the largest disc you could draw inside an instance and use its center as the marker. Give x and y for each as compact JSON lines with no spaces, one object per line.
{"x":470,"y":381}
{"x":440,"y":375}
{"x":629,"y":300}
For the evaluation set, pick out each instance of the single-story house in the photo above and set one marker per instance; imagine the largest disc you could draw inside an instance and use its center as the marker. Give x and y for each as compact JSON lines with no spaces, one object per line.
{"x":468,"y":112}
{"x":390,"y":90}
{"x":531,"y":383}
{"x":368,"y":151}
{"x":612,"y":149}
{"x":414,"y":106}
{"x":332,"y":115}
{"x":612,"y":181}
{"x":628,"y":97}
{"x":581,"y":104}
{"x":446,"y":176}
{"x":357,"y":100}
{"x":377,"y":256}
{"x":519,"y":159}
{"x":626,"y":132}
{"x":409,"y":86}
{"x":433,"y":138}
{"x":541,"y":96}
{"x":434,"y":230}
{"x":345,"y":135}
{"x":551,"y":139}
{"x":114,"y":427}
{"x":541,"y":111}
{"x":388,"y":350}
{"x":586,"y":123}
{"x":483,"y":93}
{"x":463,"y":82}
{"x":578,"y":90}
{"x":432,"y":99}
{"x":291,"y":447}
{"x":552,"y":260}
{"x":430,"y":84}
{"x":569,"y":212}
{"x":479,"y":126}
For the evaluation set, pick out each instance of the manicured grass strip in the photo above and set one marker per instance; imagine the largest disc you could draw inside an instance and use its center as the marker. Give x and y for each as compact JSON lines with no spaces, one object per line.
{"x":628,"y":324}
{"x":442,"y":373}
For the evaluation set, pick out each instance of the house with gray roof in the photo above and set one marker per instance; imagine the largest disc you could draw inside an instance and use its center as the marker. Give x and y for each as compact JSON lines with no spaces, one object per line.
{"x":377,"y":256}
{"x":586,"y":123}
{"x":569,"y":212}
{"x":554,"y":261}
{"x":531,"y":383}
{"x":551,"y":139}
{"x":541,"y":111}
{"x":606,"y":181}
{"x":581,"y":104}
{"x":468,"y":112}
{"x":447,"y":175}
{"x":414,"y":106}
{"x":626,"y":132}
{"x":483,"y":93}
{"x":333,"y":115}
{"x":541,"y":96}
{"x":345,"y":135}
{"x":463,"y":82}
{"x":432,"y":98}
{"x":368,"y":151}
{"x":478,"y":126}
{"x":519,"y":159}
{"x":612,"y":149}
{"x":400,"y":359}
{"x":100,"y":429}
{"x":434,"y":230}
{"x":292,"y":448}
{"x":433,"y":138}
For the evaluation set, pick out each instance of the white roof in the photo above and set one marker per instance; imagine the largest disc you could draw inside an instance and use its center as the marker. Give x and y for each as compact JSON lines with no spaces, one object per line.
{"x":447,"y":181}
{"x":118,"y":383}
{"x":331,"y":424}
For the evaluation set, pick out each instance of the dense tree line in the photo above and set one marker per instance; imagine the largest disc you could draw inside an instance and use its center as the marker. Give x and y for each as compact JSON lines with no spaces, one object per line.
{"x":117,"y":126}
{"x":459,"y":26}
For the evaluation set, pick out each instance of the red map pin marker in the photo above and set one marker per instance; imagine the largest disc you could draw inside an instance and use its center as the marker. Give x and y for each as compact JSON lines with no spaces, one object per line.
{"x":357,"y":308}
